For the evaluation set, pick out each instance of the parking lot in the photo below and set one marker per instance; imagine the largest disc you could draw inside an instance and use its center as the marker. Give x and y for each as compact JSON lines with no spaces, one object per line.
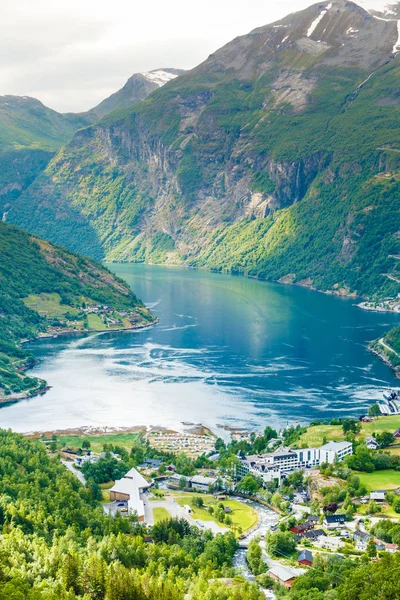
{"x":112,"y":508}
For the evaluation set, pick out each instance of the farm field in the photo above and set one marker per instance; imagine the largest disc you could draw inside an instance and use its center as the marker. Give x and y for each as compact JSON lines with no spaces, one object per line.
{"x":125,"y":440}
{"x":49,"y":305}
{"x":95,"y":322}
{"x":314,"y":436}
{"x":380,"y":480}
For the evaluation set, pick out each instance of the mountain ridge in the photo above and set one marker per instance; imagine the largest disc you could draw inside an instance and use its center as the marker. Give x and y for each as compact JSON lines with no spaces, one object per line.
{"x":272,"y":158}
{"x":31,"y":133}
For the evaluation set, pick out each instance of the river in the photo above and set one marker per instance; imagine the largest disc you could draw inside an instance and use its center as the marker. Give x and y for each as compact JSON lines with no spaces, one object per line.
{"x":228,"y":351}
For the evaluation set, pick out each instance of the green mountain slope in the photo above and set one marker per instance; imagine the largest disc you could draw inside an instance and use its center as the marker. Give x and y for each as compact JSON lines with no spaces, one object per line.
{"x":30,"y":135}
{"x":46,"y":290}
{"x":278,"y":157}
{"x":388,"y":348}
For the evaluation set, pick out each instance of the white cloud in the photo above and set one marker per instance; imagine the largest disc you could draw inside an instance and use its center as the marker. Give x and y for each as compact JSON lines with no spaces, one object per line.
{"x":72,"y":54}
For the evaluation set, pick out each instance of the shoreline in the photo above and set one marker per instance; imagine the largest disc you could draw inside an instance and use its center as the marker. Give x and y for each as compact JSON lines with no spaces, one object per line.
{"x":386,"y":360}
{"x":96,"y":430}
{"x":40,"y":392}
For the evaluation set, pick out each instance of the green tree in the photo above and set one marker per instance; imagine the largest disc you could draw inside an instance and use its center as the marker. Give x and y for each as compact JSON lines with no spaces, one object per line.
{"x":281,"y":543}
{"x":385,"y":439}
{"x":249,"y":484}
{"x":351,"y":426}
{"x":374,"y":410}
{"x":254,"y":557}
{"x":371,"y":548}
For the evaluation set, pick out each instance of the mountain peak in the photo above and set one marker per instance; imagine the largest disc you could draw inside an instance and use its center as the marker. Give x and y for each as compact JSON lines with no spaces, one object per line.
{"x":334,"y":32}
{"x":161,"y":76}
{"x":136,"y":89}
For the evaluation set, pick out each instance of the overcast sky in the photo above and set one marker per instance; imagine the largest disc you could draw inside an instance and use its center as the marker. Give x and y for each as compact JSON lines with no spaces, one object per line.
{"x":72,"y":54}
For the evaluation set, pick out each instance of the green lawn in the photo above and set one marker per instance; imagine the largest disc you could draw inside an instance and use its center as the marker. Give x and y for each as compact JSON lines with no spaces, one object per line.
{"x":314,"y":435}
{"x":105,"y":494}
{"x":49,"y":305}
{"x":125,"y":440}
{"x":160,"y":514}
{"x":242,"y":515}
{"x":96,"y":322}
{"x":380,"y":480}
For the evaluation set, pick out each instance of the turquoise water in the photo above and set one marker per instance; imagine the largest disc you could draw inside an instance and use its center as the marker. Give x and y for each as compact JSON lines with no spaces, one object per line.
{"x":227,"y":351}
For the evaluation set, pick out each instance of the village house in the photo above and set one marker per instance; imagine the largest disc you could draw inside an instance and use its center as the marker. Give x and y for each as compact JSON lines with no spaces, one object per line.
{"x":361,"y":540}
{"x":79,"y":461}
{"x":371,"y":443}
{"x":129,"y":489}
{"x":380,"y":546}
{"x":283,"y":575}
{"x":334,"y":521}
{"x":312,"y":534}
{"x":151,"y":463}
{"x":313,"y":519}
{"x":202,"y":484}
{"x":330,"y":543}
{"x":302,"y":527}
{"x":378,"y":496}
{"x":305,"y":557}
{"x":391,"y":548}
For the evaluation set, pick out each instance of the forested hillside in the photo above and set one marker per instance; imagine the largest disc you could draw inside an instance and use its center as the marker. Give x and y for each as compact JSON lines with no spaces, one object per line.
{"x":278,"y":157}
{"x":388,"y":348}
{"x":56,"y":543}
{"x":45,"y":287}
{"x":30,"y":134}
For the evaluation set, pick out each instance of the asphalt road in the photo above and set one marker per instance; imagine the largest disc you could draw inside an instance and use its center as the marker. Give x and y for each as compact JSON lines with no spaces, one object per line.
{"x":76,"y":472}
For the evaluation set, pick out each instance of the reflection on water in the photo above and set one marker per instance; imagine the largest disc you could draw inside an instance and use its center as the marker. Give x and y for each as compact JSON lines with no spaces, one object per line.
{"x":227,"y":351}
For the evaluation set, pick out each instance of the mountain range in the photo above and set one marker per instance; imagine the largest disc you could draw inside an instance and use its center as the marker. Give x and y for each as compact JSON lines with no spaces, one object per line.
{"x":278,"y":157}
{"x":31,"y":133}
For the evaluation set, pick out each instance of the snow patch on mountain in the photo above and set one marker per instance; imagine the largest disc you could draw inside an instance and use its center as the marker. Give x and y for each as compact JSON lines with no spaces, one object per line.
{"x":318,"y":20}
{"x":396,"y":47}
{"x":159,"y":77}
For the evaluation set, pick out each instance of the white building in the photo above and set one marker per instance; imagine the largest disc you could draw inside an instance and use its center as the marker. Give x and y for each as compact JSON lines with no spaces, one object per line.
{"x":285,"y":460}
{"x":129,"y":489}
{"x":330,"y":543}
{"x":371,"y":443}
{"x":333,"y":451}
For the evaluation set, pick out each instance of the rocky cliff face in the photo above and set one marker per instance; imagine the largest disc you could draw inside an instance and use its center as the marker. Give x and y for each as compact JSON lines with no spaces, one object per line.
{"x":273,"y":158}
{"x":31,"y":133}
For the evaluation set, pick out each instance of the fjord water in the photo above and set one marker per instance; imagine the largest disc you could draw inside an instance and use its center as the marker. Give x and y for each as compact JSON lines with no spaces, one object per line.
{"x":227,"y":351}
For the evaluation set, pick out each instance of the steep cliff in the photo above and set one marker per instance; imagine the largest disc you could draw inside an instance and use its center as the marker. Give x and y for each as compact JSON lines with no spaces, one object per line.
{"x":31,"y":133}
{"x":278,"y":157}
